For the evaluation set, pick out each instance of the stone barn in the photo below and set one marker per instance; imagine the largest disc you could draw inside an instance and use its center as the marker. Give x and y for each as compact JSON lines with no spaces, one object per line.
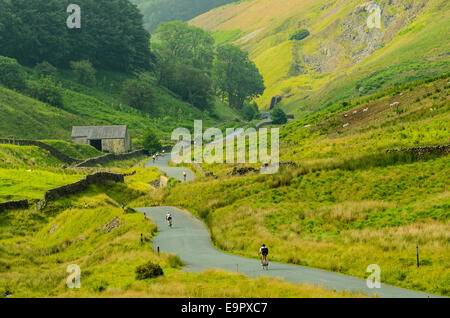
{"x":114,"y":139}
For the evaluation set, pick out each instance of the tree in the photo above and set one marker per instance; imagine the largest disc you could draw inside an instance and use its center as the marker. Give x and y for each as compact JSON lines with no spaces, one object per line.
{"x":46,"y":91}
{"x":46,"y":69}
{"x":11,"y":74}
{"x":193,"y":85}
{"x":185,"y":57}
{"x":111,"y":36}
{"x":151,"y":142}
{"x":278,"y":116}
{"x":185,"y":44}
{"x":138,"y":93}
{"x":84,"y":72}
{"x":236,"y":76}
{"x":299,"y":35}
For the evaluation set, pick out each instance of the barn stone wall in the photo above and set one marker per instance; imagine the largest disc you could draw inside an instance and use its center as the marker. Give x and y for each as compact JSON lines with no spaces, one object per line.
{"x":81,"y":141}
{"x":114,"y":145}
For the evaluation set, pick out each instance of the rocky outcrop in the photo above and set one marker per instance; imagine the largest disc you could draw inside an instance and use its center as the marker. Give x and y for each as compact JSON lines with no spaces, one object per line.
{"x":111,"y":225}
{"x":111,"y":157}
{"x":275,"y":100}
{"x":14,"y":205}
{"x":241,"y":171}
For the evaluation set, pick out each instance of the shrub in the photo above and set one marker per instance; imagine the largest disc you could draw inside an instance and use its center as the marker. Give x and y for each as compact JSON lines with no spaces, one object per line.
{"x":138,"y":94}
{"x":174,"y":261}
{"x":148,"y":270}
{"x":250,"y":111}
{"x":173,"y":182}
{"x":278,"y":116}
{"x":84,"y":72}
{"x":46,"y":91}
{"x":151,"y":142}
{"x":129,"y":210}
{"x":11,"y":74}
{"x":299,"y":35}
{"x":45,"y":69}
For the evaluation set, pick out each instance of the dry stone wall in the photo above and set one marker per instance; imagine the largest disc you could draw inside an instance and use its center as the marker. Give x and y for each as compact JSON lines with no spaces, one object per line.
{"x":52,"y":150}
{"x":425,"y":150}
{"x":13,"y":205}
{"x":79,"y":186}
{"x":111,"y":157}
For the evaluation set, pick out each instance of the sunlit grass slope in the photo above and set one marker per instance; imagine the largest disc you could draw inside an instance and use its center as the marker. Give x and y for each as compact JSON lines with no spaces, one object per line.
{"x":36,"y":248}
{"x":348,"y":203}
{"x":341,"y":58}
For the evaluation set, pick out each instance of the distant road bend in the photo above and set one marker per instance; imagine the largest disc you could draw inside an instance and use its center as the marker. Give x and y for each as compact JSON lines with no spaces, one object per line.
{"x":189,"y":238}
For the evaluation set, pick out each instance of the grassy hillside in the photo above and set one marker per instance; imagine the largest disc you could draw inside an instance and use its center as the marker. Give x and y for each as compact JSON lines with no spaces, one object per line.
{"x":24,"y":117}
{"x":348,"y":204}
{"x":36,"y":248}
{"x":157,"y":11}
{"x":341,"y":58}
{"x":73,"y":150}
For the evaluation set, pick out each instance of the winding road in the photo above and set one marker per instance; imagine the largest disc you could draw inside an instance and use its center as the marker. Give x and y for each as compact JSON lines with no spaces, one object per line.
{"x":190,"y":239}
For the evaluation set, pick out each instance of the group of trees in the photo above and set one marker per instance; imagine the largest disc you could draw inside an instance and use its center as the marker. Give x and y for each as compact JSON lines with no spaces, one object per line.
{"x":189,"y":64}
{"x":111,"y":36}
{"x":46,"y":88}
{"x":184,"y":56}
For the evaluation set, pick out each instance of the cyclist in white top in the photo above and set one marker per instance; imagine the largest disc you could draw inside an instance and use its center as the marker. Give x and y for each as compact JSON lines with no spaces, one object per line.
{"x":169,"y":219}
{"x":263,"y":251}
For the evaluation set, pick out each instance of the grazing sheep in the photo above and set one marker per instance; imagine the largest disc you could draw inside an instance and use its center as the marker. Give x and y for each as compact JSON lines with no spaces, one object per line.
{"x":395,"y":104}
{"x":365,"y":109}
{"x":345,"y":125}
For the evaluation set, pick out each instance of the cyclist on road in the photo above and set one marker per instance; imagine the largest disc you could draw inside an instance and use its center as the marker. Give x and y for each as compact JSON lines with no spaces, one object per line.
{"x":154,"y":158}
{"x":263,"y":251}
{"x":184,"y":176}
{"x":169,"y":219}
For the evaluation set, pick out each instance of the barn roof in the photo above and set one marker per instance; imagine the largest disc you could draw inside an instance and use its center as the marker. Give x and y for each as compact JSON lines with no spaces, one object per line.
{"x":99,"y":132}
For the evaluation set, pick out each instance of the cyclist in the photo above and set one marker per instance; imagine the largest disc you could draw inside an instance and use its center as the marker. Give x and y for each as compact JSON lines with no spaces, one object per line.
{"x":184,"y":176}
{"x":169,"y":219}
{"x":263,"y":251}
{"x":154,"y":158}
{"x":163,"y":153}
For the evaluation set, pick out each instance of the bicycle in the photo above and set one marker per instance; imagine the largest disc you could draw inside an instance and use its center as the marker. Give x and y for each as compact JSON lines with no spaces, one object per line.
{"x":265,"y":264}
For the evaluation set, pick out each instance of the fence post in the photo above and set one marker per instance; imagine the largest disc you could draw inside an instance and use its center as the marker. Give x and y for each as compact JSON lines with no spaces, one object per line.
{"x":417,"y":254}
